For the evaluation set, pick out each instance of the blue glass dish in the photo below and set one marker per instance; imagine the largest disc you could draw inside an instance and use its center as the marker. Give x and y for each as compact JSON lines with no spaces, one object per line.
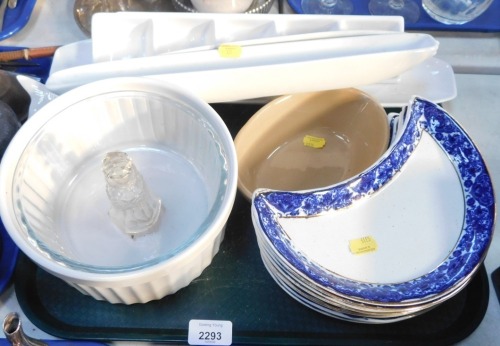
{"x":16,"y":18}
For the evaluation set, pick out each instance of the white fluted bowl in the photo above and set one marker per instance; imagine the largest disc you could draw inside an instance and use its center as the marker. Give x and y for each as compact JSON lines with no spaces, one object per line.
{"x":53,"y":199}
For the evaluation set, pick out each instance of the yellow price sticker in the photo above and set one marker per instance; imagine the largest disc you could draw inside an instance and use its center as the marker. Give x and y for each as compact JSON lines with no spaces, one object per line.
{"x":229,"y":51}
{"x":314,"y":142}
{"x":362,"y":245}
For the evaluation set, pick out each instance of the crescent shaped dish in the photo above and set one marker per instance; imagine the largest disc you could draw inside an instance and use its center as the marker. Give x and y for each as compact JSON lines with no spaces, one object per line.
{"x":429,"y":203}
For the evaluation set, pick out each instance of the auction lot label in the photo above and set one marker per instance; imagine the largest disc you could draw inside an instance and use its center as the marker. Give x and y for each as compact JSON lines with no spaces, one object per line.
{"x":210,"y":332}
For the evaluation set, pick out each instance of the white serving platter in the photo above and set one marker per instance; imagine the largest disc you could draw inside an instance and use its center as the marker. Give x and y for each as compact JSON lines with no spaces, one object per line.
{"x":138,"y":34}
{"x":432,"y":79}
{"x":280,"y":54}
{"x":267,"y":70}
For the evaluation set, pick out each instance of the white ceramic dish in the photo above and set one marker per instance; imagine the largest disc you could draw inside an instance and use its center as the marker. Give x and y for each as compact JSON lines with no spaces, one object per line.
{"x":38,"y":92}
{"x":139,"y":38}
{"x":306,"y":66}
{"x":432,"y":79}
{"x":405,"y":204}
{"x":84,"y":10}
{"x":222,"y":6}
{"x":334,"y":309}
{"x":329,"y":302}
{"x":129,"y":35}
{"x":54,"y":202}
{"x":257,"y":6}
{"x":72,"y":55}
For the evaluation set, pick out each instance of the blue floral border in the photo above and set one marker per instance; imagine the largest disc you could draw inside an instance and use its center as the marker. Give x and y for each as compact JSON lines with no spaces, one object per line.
{"x":479,"y":218}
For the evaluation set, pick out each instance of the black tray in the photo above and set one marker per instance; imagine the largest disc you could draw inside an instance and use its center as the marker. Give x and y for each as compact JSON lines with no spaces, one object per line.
{"x":235,"y":287}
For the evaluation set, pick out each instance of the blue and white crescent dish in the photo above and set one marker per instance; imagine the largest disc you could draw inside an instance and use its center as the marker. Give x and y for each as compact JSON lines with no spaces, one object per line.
{"x":428,"y":203}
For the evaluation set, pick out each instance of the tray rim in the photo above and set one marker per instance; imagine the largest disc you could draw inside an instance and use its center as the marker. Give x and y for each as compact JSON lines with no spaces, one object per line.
{"x":472,"y":314}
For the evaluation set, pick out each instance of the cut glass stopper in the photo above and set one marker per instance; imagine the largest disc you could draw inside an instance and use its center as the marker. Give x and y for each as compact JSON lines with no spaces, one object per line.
{"x":134,"y":209}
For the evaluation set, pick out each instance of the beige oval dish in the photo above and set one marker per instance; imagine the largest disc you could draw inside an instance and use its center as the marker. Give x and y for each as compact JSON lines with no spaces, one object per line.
{"x":310,"y":140}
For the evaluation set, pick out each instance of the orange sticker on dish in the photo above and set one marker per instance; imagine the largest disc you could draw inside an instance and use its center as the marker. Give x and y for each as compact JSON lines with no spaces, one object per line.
{"x":229,"y":51}
{"x":314,"y":142}
{"x":362,"y":245}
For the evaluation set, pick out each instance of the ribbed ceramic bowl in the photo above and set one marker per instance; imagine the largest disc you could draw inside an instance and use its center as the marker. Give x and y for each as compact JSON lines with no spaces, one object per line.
{"x":53,"y":192}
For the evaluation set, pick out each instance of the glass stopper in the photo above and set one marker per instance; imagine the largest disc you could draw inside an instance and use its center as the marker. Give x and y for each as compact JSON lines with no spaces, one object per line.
{"x":134,"y":209}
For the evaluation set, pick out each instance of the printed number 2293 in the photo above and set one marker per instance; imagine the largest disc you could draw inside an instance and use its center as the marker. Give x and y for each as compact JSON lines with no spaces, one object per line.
{"x":210,"y":332}
{"x":210,"y":335}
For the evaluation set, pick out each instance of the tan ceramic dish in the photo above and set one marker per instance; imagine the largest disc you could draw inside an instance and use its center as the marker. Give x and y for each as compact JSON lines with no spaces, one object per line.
{"x":272,"y":153}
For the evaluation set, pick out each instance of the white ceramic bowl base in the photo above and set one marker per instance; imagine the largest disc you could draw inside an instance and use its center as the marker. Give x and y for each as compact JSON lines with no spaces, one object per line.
{"x":55,"y":205}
